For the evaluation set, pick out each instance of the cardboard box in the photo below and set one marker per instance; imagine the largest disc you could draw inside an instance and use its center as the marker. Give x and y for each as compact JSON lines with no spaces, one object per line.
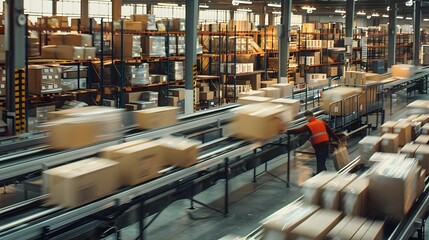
{"x":410,"y":149}
{"x":131,"y":107}
{"x":312,"y":189}
{"x":252,"y":93}
{"x":374,"y":231}
{"x":286,"y":219}
{"x":354,"y":200}
{"x":271,"y":92}
{"x":77,"y":39}
{"x":425,"y":129}
{"x":293,"y":104}
{"x":352,"y":226}
{"x":111,"y":152}
{"x":258,"y":121}
{"x":422,"y":156}
{"x":180,"y":152}
{"x":339,"y":227}
{"x":404,"y":131}
{"x":423,"y":139}
{"x":132,"y":97}
{"x":332,"y":191}
{"x":332,"y":71}
{"x":368,"y":146}
{"x":389,"y":143}
{"x":81,"y":182}
{"x":387,"y":127}
{"x":207,"y":95}
{"x":421,"y":182}
{"x":140,"y":163}
{"x":318,"y":225}
{"x":131,"y":46}
{"x":179,"y":92}
{"x":392,"y":192}
{"x":363,"y":229}
{"x":155,"y":117}
{"x":403,"y":70}
{"x":286,"y":89}
{"x":253,"y":100}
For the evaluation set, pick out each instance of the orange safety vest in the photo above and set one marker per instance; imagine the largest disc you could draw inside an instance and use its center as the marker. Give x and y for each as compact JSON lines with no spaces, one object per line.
{"x":318,"y":131}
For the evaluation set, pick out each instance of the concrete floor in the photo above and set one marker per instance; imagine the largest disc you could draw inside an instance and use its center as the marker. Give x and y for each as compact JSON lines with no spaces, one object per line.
{"x":249,"y":202}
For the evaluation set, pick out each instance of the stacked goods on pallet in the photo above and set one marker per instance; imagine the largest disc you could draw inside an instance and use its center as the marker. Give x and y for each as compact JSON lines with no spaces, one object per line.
{"x":131,"y":46}
{"x":74,"y":77}
{"x":260,"y":121}
{"x":316,"y":80}
{"x":69,"y":46}
{"x":235,"y":68}
{"x":152,"y":46}
{"x":140,"y":100}
{"x":80,"y":127}
{"x":44,"y":79}
{"x":53,"y":22}
{"x":134,"y":73}
{"x":147,"y":21}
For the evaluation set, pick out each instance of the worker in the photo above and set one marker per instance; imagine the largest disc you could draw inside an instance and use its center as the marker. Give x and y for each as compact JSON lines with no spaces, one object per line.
{"x":320,"y":132}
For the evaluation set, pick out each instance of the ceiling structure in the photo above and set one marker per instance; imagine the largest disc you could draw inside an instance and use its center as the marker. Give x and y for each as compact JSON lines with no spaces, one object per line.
{"x":323,"y":7}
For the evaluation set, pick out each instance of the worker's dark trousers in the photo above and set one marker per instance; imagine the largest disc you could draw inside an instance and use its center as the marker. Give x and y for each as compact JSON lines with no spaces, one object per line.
{"x":322,"y":152}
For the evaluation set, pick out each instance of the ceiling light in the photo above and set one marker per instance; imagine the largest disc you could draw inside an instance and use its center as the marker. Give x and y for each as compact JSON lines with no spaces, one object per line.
{"x":340,"y":11}
{"x":425,"y":20}
{"x":274,"y":5}
{"x":237,"y":2}
{"x":388,"y":8}
{"x":344,"y":16}
{"x":375,"y":15}
{"x":409,"y":18}
{"x":168,"y":4}
{"x":368,"y":17}
{"x":409,"y":3}
{"x":277,"y":12}
{"x":385,"y":16}
{"x":400,"y":17}
{"x":361,"y":13}
{"x":308,"y":8}
{"x":244,"y":9}
{"x":204,"y":6}
{"x":309,"y":11}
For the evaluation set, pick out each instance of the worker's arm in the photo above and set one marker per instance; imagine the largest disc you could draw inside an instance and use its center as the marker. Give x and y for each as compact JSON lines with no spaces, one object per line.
{"x":331,"y":133}
{"x":298,"y":130}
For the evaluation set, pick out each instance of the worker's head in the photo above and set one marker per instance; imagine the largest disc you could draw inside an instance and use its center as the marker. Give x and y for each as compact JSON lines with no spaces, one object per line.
{"x":308,"y":114}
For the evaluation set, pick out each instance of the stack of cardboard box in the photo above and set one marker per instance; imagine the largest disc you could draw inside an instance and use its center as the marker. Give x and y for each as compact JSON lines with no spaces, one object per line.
{"x":70,"y":47}
{"x":44,"y":79}
{"x":2,"y":82}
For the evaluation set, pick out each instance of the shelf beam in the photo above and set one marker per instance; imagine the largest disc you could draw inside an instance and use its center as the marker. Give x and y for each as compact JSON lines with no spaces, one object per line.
{"x":417,"y":20}
{"x":284,"y":39}
{"x":392,"y":32}
{"x":84,"y":11}
{"x":191,"y":55}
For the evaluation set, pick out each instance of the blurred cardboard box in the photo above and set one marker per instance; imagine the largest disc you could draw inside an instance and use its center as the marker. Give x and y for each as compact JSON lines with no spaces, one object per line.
{"x":271,"y":92}
{"x":259,"y":121}
{"x":410,"y":149}
{"x":156,"y":117}
{"x":312,"y":189}
{"x":423,"y":139}
{"x":286,"y":89}
{"x":422,"y":156}
{"x":387,"y":127}
{"x":404,"y":131}
{"x":332,"y":191}
{"x":389,"y":143}
{"x":253,"y":93}
{"x":355,"y":197}
{"x":370,"y":230}
{"x":180,"y":152}
{"x":253,"y":100}
{"x":82,"y":182}
{"x":368,"y":146}
{"x":349,"y":227}
{"x":112,"y":151}
{"x":140,"y":163}
{"x":293,"y":104}
{"x":318,"y":225}
{"x":286,"y":219}
{"x":403,"y":70}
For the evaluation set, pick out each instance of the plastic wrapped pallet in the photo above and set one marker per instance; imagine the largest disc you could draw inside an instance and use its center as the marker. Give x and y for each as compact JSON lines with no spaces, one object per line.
{"x":153,"y":46}
{"x":180,"y":152}
{"x":131,"y":46}
{"x":283,"y":221}
{"x":259,"y":121}
{"x":312,"y":189}
{"x":389,"y":143}
{"x":81,"y":182}
{"x":318,"y":225}
{"x":368,"y":146}
{"x":332,"y":191}
{"x":355,"y":196}
{"x":392,"y":187}
{"x":155,"y":117}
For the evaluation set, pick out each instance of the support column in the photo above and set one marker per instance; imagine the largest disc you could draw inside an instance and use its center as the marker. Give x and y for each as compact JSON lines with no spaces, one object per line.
{"x":15,"y":60}
{"x":270,"y":18}
{"x":392,"y":33}
{"x":262,"y":12}
{"x":350,"y":17}
{"x":231,"y":14}
{"x":148,"y":8}
{"x":191,"y":55}
{"x":84,"y":12}
{"x":116,"y":10}
{"x":417,"y":22}
{"x":54,"y":7}
{"x":284,"y":40}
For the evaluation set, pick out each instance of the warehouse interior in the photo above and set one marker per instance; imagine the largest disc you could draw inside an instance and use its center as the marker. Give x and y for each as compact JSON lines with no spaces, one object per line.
{"x":157,"y":119}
